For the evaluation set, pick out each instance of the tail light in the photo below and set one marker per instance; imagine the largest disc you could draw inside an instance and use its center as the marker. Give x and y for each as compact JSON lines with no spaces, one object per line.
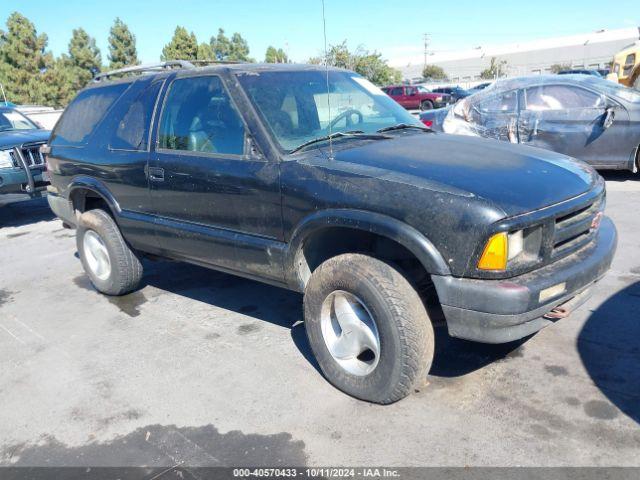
{"x":428,"y":123}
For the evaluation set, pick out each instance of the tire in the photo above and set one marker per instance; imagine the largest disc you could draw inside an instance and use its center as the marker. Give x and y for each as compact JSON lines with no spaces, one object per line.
{"x":98,"y":237}
{"x":403,"y":327}
{"x":426,"y":105}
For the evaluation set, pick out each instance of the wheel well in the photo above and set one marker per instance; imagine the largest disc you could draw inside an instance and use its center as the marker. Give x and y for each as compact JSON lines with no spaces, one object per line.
{"x":332,"y":241}
{"x":84,"y":200}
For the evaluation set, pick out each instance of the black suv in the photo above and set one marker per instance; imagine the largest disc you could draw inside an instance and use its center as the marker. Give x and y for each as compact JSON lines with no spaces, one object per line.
{"x":318,"y":182}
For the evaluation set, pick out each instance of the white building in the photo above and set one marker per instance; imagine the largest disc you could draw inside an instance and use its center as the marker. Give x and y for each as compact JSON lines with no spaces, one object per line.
{"x":589,"y":50}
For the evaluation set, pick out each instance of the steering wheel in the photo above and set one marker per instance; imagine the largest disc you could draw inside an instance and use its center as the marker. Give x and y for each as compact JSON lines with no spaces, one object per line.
{"x":348,"y":114}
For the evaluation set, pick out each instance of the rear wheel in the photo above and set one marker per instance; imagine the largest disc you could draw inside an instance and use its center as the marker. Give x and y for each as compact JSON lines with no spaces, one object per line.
{"x":368,"y":328}
{"x":112,"y":267}
{"x":426,"y":105}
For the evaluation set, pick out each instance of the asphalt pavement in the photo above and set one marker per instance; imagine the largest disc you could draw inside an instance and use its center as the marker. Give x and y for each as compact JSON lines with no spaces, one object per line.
{"x":210,"y":369}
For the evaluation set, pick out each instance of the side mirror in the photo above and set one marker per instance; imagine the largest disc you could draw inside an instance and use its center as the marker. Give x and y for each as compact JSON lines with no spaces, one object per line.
{"x":609,"y":116}
{"x":252,"y":149}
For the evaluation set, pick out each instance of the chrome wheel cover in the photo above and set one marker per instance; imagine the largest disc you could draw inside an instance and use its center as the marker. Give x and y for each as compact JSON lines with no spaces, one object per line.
{"x":96,"y":255}
{"x":350,"y":333}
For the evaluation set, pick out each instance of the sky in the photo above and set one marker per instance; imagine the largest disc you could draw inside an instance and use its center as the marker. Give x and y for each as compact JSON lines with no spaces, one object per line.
{"x":396,"y":29}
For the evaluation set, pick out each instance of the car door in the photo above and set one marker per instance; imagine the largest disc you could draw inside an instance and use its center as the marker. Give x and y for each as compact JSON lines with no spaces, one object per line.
{"x":496,"y":116}
{"x":577,"y":122}
{"x":397,"y":93}
{"x":217,"y":199}
{"x":411,"y":98}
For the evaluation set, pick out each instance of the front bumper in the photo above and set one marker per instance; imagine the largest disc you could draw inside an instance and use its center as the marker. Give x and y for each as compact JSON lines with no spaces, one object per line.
{"x":16,"y":180}
{"x":499,"y":311}
{"x":62,"y":208}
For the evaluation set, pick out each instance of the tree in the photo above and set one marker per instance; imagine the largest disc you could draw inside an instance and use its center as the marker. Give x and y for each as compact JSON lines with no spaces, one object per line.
{"x":234,"y":49}
{"x":122,"y":46}
{"x":496,"y":69}
{"x":84,"y":58}
{"x":22,"y":60}
{"x":183,"y":46}
{"x":274,"y":55}
{"x":559,"y":67}
{"x":370,"y":65}
{"x":205,"y":52}
{"x":434,"y":72}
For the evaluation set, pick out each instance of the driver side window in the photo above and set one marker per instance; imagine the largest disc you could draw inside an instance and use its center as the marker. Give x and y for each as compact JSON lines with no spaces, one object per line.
{"x":198,"y":116}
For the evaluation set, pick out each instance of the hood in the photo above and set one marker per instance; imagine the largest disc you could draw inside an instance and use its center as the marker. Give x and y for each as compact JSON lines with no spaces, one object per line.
{"x":515,"y":178}
{"x":13,"y":138}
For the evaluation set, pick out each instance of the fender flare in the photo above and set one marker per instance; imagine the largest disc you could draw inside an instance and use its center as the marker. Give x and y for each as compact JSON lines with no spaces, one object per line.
{"x":376,"y":223}
{"x":88,"y":183}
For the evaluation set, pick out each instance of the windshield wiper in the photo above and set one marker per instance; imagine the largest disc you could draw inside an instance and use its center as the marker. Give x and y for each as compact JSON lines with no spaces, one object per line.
{"x":351,"y":133}
{"x":403,"y":126}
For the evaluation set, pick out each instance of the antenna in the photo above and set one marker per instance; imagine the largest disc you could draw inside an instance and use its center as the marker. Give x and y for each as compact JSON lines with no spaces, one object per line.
{"x":326,"y":66}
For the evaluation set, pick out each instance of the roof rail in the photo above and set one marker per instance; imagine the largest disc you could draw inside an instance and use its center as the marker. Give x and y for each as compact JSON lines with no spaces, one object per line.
{"x":218,"y":62}
{"x":150,"y":67}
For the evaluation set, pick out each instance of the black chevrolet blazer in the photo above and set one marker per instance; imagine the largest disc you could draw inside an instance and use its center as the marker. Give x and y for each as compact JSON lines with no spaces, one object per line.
{"x":316,"y":181}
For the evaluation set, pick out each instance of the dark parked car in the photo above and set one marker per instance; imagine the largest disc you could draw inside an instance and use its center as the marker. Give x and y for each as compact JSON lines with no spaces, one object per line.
{"x":414,"y":97}
{"x":586,"y":117}
{"x":22,"y":166}
{"x":477,"y":88}
{"x":581,"y":71}
{"x":378,"y":221}
{"x":457,"y":93}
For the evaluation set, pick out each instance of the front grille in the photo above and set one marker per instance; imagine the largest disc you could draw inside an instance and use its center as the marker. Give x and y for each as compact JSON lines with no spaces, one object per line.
{"x":573,"y":230}
{"x":32,"y":156}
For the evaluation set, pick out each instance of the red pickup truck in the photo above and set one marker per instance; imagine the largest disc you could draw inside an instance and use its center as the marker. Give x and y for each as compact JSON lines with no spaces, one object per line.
{"x":415,"y":97}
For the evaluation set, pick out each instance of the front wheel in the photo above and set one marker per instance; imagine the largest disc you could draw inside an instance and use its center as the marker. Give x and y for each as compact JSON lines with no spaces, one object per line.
{"x":368,"y":328}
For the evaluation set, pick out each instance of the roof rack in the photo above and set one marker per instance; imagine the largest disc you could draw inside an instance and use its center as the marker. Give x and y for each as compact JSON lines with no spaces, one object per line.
{"x":150,"y":67}
{"x":218,"y":62}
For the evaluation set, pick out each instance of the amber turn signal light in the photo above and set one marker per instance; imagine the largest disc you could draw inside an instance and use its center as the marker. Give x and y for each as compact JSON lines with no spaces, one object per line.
{"x":495,"y":253}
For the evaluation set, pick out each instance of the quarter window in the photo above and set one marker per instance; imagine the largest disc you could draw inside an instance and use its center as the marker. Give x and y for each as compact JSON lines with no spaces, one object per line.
{"x":199,"y":116}
{"x":84,"y":113}
{"x":132,"y":132}
{"x":396,"y":92}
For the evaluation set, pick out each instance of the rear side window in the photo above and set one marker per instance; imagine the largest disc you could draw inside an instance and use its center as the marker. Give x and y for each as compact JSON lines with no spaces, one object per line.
{"x":84,"y":113}
{"x":132,"y":132}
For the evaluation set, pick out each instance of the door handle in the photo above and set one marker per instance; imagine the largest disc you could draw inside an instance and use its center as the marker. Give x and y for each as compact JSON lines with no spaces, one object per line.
{"x":155,"y":174}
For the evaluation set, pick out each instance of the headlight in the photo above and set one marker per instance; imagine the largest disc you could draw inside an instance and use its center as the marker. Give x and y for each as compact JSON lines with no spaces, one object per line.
{"x":515,"y":244}
{"x":500,"y":249}
{"x":5,"y":159}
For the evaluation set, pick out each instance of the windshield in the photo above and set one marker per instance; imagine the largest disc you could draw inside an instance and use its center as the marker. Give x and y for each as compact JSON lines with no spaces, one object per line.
{"x":297,"y":109}
{"x":422,"y":89}
{"x":14,"y":120}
